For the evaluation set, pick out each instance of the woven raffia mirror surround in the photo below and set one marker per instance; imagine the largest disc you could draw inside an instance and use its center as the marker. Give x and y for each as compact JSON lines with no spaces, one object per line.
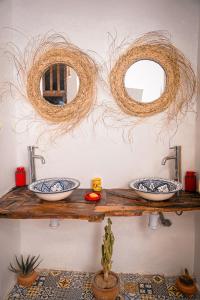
{"x":86,"y":70}
{"x":166,"y":58}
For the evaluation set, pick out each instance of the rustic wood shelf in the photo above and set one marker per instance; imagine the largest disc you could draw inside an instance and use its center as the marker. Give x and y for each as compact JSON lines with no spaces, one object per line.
{"x":20,"y":203}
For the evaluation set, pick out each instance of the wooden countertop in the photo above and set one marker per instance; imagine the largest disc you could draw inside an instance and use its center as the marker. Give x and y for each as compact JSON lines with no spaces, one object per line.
{"x":20,"y":203}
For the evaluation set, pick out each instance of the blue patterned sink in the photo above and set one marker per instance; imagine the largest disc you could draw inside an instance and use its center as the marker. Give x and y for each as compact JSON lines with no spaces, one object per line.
{"x":54,"y":189}
{"x":155,"y":189}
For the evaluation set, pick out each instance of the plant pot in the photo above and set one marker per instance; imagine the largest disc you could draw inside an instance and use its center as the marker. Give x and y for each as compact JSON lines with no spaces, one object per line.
{"x":105,"y":293}
{"x":27,"y":280}
{"x":188,"y":290}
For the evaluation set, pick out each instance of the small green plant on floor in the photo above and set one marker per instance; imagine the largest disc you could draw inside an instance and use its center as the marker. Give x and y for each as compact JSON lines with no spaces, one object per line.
{"x":107,"y":249}
{"x":25,"y":266}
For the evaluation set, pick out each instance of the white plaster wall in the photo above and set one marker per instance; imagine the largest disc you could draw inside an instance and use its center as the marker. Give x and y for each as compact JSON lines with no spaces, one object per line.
{"x":197,"y":247}
{"x":103,"y":153}
{"x":10,"y":246}
{"x":197,"y":215}
{"x":75,"y":245}
{"x":9,"y":229}
{"x":7,"y":111}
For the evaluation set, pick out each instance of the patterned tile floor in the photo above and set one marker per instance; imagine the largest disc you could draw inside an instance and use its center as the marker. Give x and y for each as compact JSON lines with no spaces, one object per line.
{"x":60,"y":285}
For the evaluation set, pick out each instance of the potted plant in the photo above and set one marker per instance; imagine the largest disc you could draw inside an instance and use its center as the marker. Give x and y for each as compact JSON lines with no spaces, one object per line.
{"x":106,"y":284}
{"x":25,"y":270}
{"x":186,"y":284}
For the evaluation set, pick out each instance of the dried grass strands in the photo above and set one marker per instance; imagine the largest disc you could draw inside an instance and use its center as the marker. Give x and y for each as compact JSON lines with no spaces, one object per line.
{"x":80,"y":106}
{"x":41,"y":52}
{"x":180,"y":77}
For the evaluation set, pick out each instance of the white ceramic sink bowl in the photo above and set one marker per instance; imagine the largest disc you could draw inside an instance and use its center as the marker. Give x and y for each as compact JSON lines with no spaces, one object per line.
{"x":155,"y":189}
{"x":54,"y":189}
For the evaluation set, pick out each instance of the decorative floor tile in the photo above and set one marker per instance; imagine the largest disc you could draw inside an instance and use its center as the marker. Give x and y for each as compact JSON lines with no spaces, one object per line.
{"x":159,"y":286}
{"x":46,"y":293}
{"x":64,"y":282}
{"x":131,"y":287}
{"x":68,"y":285}
{"x":33,"y":292}
{"x":40,"y":281}
{"x":55,"y":273}
{"x":147,"y":297}
{"x":158,"y":279}
{"x":174,"y":292}
{"x":145,"y":288}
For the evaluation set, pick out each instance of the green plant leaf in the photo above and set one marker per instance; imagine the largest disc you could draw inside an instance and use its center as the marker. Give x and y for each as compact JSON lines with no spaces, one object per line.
{"x":23,"y":265}
{"x":18,"y":263}
{"x":37,"y":265}
{"x":12,"y":269}
{"x":32,"y":266}
{"x":31,"y":263}
{"x":27,"y":263}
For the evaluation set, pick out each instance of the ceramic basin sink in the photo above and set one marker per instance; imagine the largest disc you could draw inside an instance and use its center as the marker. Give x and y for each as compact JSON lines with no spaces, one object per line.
{"x":155,"y":189}
{"x":54,"y":189}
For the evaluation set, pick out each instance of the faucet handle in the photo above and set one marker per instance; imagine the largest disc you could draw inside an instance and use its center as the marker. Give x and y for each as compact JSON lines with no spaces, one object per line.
{"x":33,"y":147}
{"x":176,"y":148}
{"x":173,"y":147}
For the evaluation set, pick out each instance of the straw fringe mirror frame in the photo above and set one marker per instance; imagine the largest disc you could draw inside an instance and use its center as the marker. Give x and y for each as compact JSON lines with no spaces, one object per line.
{"x":180,"y":84}
{"x":86,"y":70}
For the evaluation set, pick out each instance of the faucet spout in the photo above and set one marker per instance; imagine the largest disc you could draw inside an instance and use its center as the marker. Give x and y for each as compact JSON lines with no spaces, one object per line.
{"x":40,"y":157}
{"x":177,"y":159}
{"x":164,"y":160}
{"x":43,"y":160}
{"x":32,"y":157}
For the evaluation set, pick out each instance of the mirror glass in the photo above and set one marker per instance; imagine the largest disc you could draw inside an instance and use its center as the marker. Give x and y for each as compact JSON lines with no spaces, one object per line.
{"x":145,"y":81}
{"x":59,"y":84}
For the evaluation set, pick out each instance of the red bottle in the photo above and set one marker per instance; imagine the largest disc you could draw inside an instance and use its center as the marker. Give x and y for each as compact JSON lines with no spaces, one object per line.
{"x":190,"y":181}
{"x":20,"y":176}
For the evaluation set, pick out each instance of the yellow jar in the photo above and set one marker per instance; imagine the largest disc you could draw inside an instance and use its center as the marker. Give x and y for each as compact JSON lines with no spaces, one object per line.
{"x":96,"y":184}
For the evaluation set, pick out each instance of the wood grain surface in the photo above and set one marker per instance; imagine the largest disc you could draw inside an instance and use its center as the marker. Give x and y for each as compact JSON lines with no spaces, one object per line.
{"x":20,"y":203}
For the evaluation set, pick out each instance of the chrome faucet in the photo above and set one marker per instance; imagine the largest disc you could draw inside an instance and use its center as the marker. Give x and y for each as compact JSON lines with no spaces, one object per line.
{"x":177,"y":159}
{"x":32,"y":157}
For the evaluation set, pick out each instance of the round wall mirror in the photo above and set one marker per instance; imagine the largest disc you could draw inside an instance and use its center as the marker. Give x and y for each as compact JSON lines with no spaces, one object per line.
{"x":59,"y":84}
{"x":145,"y":81}
{"x":152,"y":75}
